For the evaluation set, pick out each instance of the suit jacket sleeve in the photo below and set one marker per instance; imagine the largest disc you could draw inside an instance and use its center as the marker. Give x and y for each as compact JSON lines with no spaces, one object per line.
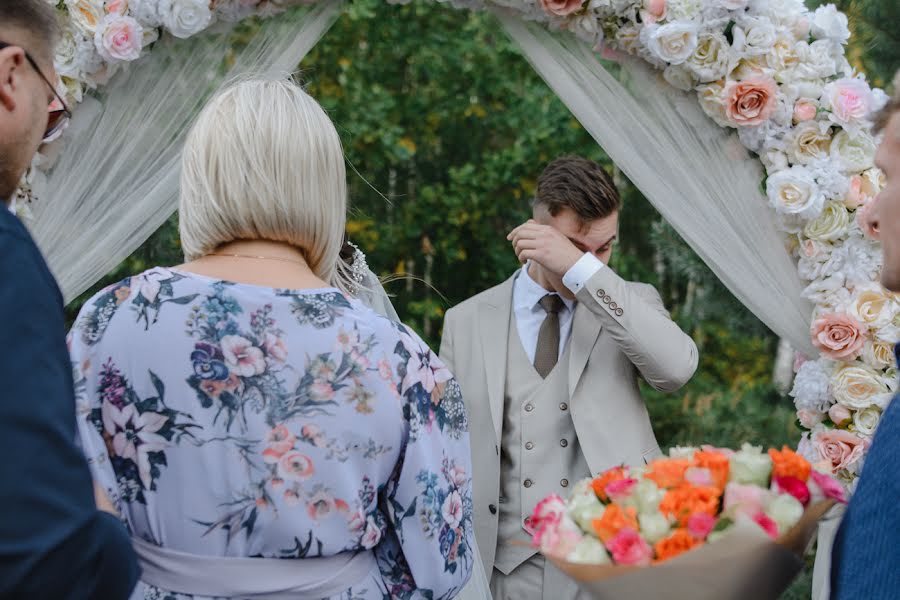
{"x":639,"y":323}
{"x":54,"y":543}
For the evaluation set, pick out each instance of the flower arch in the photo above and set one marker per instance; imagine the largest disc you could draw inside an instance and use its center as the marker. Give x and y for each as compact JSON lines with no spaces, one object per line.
{"x":770,"y":71}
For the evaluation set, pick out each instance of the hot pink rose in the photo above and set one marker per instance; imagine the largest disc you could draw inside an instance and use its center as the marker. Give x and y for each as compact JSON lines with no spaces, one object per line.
{"x":700,"y":525}
{"x":743,"y":499}
{"x":839,"y":448}
{"x":550,"y":509}
{"x":862,"y":218}
{"x":119,"y":38}
{"x":804,"y":110}
{"x":699,"y":476}
{"x":751,"y":101}
{"x":850,"y":100}
{"x":768,"y":525}
{"x":839,"y":414}
{"x":824,"y":486}
{"x":653,"y":11}
{"x":561,"y":8}
{"x":619,"y":491}
{"x":793,"y":486}
{"x":629,"y":548}
{"x":839,"y":336}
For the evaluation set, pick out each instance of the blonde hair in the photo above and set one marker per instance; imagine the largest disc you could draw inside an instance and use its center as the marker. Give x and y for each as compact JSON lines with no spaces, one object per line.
{"x":264,"y":162}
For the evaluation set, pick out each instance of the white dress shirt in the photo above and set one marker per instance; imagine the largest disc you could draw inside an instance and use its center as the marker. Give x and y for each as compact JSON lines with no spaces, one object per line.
{"x":527,"y":294}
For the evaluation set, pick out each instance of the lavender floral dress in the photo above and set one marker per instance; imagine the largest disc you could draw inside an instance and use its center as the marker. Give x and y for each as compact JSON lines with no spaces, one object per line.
{"x":235,"y":420}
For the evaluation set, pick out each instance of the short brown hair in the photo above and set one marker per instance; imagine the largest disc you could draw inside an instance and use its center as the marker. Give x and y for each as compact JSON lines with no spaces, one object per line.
{"x":35,"y":17}
{"x":884,"y":115}
{"x":578,"y":184}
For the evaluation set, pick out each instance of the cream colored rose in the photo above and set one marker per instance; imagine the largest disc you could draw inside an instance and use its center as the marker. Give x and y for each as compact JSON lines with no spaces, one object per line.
{"x":866,"y":421}
{"x":808,"y":141}
{"x":712,"y":58}
{"x":654,"y":526}
{"x":589,"y":551}
{"x":794,"y":192}
{"x":749,"y":66}
{"x":86,"y":14}
{"x":783,"y":58}
{"x":750,"y":466}
{"x":878,"y":354}
{"x":831,"y":225}
{"x":857,"y":386}
{"x":872,"y":306}
{"x":854,"y":153}
{"x":673,"y":43}
{"x":786,"y":511}
{"x":629,"y":39}
{"x":712,"y":103}
{"x":583,"y":506}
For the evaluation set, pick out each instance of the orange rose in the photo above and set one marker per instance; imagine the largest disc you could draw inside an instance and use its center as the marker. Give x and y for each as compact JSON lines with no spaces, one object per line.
{"x":678,"y":543}
{"x":668,"y":472}
{"x":599,"y":484}
{"x":682,"y":502}
{"x":614,"y":519}
{"x":718,"y":466}
{"x":788,"y":463}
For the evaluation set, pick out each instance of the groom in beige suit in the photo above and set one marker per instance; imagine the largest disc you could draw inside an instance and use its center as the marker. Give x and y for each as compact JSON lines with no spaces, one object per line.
{"x":548,"y":362}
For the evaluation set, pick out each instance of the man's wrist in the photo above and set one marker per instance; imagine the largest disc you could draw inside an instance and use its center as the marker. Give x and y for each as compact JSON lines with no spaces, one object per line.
{"x":586,"y":267}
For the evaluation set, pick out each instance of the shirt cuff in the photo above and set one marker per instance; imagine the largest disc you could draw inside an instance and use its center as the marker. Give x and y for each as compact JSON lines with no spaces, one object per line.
{"x":586,"y":267}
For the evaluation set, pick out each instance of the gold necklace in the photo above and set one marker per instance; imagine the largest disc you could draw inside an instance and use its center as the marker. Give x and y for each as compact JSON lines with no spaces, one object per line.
{"x":290,"y":260}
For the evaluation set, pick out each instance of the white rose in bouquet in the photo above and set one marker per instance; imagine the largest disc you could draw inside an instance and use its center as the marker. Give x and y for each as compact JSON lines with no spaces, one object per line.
{"x":76,"y":56}
{"x":583,"y":506}
{"x":783,"y":58}
{"x":184,"y":18}
{"x":829,"y":23}
{"x":794,"y":192}
{"x":785,"y":510}
{"x":750,"y":465}
{"x":683,"y":10}
{"x":646,"y":496}
{"x":817,"y":60}
{"x":828,"y":293}
{"x":754,"y":36}
{"x":713,"y":103}
{"x":146,"y":12}
{"x":679,"y":77}
{"x":673,"y":43}
{"x":878,"y":354}
{"x":654,"y":526}
{"x":589,"y":551}
{"x":872,"y":307}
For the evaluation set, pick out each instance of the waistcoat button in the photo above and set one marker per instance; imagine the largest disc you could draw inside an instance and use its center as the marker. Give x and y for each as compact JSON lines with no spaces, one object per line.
{"x":563,"y":406}
{"x":529,"y":407}
{"x":527,"y":483}
{"x":563,"y":443}
{"x":493,"y":509}
{"x":564,"y":483}
{"x":529,"y":446}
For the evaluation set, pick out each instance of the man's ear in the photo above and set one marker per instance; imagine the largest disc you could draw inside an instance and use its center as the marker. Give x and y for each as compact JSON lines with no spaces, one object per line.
{"x":12,"y":60}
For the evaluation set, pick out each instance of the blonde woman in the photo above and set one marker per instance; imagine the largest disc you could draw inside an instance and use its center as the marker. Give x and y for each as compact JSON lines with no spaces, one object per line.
{"x":262,"y":433}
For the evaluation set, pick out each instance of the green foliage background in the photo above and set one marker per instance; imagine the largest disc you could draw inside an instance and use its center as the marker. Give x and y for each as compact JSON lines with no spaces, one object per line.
{"x":446,"y":128}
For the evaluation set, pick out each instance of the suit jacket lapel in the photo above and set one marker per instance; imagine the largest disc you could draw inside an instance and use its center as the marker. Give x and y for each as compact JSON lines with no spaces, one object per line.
{"x":494,"y":318}
{"x":585,"y":331}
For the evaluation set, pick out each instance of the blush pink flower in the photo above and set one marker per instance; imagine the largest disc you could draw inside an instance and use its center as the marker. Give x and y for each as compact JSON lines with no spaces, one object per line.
{"x":804,"y":110}
{"x":743,"y":499}
{"x":699,"y":476}
{"x":275,"y":347}
{"x":751,"y":101}
{"x":242,"y":356}
{"x":839,"y":414}
{"x":561,"y":8}
{"x":700,"y":525}
{"x":550,"y":509}
{"x":809,"y":418}
{"x":850,"y":100}
{"x":620,"y":490}
{"x":839,"y":336}
{"x":629,"y":548}
{"x":119,"y":38}
{"x":838,"y":448}
{"x":768,"y":525}
{"x":653,"y":11}
{"x":826,"y":487}
{"x":794,"y":487}
{"x":855,"y":196}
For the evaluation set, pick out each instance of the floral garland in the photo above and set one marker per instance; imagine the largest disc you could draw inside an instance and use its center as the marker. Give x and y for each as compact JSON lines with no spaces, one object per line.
{"x":772,"y":70}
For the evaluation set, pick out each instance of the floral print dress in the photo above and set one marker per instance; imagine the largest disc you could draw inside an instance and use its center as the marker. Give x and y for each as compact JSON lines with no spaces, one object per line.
{"x":235,"y":420}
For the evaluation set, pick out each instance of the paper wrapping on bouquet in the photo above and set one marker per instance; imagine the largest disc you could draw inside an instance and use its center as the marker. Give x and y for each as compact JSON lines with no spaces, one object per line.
{"x":745,"y":564}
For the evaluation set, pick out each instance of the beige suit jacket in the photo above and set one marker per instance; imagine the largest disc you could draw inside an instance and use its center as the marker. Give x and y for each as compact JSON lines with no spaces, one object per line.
{"x":621,"y":331}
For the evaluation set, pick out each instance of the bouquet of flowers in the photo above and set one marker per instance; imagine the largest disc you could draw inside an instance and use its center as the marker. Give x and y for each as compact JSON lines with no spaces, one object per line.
{"x":699,"y":523}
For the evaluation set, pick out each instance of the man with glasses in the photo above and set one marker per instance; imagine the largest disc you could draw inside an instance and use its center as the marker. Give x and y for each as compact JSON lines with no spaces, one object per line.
{"x":54,"y":542}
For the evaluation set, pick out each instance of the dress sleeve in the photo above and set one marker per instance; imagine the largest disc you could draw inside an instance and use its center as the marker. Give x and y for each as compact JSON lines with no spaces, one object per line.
{"x":429,"y":496}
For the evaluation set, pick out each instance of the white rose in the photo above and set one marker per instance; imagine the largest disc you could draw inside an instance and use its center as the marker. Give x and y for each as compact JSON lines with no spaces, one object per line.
{"x":86,"y":14}
{"x":794,"y":192}
{"x":856,"y":386}
{"x":872,"y":307}
{"x":750,"y":466}
{"x":786,"y":511}
{"x":146,"y":12}
{"x":683,"y":452}
{"x":808,"y":141}
{"x":854,"y":153}
{"x":828,"y":293}
{"x":679,"y":77}
{"x":710,"y":97}
{"x":646,"y":496}
{"x":76,"y":56}
{"x":890,"y":333}
{"x":817,"y":60}
{"x":779,"y":11}
{"x":865,"y":421}
{"x":673,"y":43}
{"x":783,"y":58}
{"x":683,"y":10}
{"x":878,"y":354}
{"x":831,"y":24}
{"x":829,"y":226}
{"x":860,"y":260}
{"x":654,"y":526}
{"x":712,"y":58}
{"x":589,"y":551}
{"x":774,"y":160}
{"x":119,"y":39}
{"x":754,"y":36}
{"x":184,"y":18}
{"x":583,"y":508}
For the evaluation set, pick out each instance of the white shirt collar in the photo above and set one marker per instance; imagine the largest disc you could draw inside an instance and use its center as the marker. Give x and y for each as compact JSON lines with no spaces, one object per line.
{"x":529,"y":293}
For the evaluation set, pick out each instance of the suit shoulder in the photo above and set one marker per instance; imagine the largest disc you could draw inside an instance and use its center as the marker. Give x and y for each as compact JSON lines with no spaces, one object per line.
{"x":490,"y":295}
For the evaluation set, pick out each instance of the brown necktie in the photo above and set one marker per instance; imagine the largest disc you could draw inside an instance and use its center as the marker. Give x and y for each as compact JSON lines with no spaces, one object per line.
{"x":547,"y":353}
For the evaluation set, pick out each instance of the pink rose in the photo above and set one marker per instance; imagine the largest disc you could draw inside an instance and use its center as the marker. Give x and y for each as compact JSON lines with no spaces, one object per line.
{"x":119,"y":38}
{"x":558,"y":538}
{"x":839,"y":414}
{"x":619,"y":491}
{"x":855,"y":195}
{"x":700,"y":525}
{"x":839,"y":336}
{"x":850,"y":100}
{"x":629,"y":548}
{"x":699,"y":476}
{"x":839,"y":448}
{"x":793,"y":486}
{"x":824,"y":486}
{"x":804,"y":110}
{"x":743,"y":499}
{"x":809,"y":418}
{"x":550,"y":509}
{"x":561,"y":8}
{"x":862,"y":218}
{"x":653,"y":11}
{"x":751,"y":101}
{"x":768,"y":525}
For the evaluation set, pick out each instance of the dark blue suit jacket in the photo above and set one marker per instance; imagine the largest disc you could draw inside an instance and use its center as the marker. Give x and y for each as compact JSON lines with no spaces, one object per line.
{"x":54,"y":543}
{"x":865,"y":561}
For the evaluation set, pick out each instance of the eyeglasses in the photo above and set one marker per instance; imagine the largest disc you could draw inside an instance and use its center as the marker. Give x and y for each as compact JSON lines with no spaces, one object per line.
{"x":58,"y":118}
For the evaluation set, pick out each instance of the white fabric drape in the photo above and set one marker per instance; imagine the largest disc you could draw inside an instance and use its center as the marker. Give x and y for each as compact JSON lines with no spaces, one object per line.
{"x":116,"y":179}
{"x":695,"y":173}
